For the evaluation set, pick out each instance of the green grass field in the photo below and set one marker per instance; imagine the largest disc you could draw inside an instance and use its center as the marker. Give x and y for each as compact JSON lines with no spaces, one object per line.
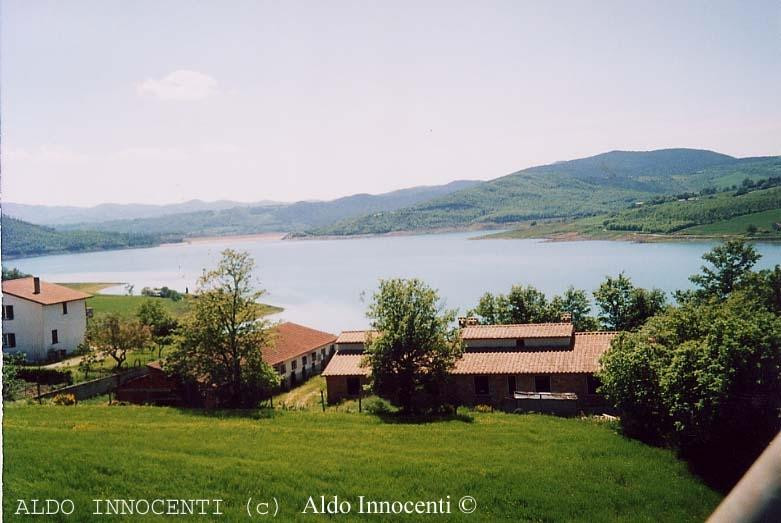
{"x":739,"y":225}
{"x":518,"y":467}
{"x":128,"y":305}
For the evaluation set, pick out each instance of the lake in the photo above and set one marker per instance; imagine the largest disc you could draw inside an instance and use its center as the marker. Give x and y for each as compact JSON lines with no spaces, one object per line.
{"x":326,"y":284}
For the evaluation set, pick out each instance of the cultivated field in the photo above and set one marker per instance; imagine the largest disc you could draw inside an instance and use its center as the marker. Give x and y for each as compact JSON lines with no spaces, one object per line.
{"x":518,"y":467}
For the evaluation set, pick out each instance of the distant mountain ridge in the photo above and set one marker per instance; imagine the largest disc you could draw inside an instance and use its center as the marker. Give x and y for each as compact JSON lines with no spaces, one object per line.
{"x":292,"y":217}
{"x":65,"y":214}
{"x":584,"y":187}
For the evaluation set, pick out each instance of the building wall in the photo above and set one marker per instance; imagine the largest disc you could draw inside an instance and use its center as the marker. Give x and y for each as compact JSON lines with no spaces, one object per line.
{"x":320,"y":362}
{"x":337,"y":387}
{"x":512,"y":343}
{"x":464,"y":388}
{"x":70,"y":327}
{"x":27,"y":326}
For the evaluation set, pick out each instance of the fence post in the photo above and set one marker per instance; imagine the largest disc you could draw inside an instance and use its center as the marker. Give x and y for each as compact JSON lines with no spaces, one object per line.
{"x":322,"y":400}
{"x":38,"y":387}
{"x":360,"y":407}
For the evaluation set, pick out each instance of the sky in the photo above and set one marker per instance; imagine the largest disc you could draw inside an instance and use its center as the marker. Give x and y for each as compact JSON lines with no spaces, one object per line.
{"x":163,"y":102}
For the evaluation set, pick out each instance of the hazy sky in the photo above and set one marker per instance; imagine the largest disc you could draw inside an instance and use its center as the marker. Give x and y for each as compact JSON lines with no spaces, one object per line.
{"x":164,"y":101}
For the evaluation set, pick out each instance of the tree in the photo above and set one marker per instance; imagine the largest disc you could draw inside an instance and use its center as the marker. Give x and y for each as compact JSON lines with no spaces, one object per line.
{"x":576,"y":303}
{"x":729,"y":263}
{"x":114,"y":336}
{"x":416,"y":346}
{"x":626,"y":307}
{"x":11,"y":383}
{"x":704,"y":377}
{"x":13,"y":274}
{"x":161,"y":324}
{"x":526,"y":304}
{"x":221,"y":337}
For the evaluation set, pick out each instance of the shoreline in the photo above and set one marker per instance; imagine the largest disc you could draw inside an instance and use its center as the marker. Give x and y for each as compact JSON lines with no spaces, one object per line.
{"x":262,"y":236}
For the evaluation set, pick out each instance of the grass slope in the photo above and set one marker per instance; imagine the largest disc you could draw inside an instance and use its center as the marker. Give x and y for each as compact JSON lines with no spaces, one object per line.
{"x":723,"y":214}
{"x":604,"y":183}
{"x":524,"y":468}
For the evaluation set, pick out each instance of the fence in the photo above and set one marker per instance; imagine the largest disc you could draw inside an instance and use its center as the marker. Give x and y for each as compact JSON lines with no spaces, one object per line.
{"x":92,"y":388}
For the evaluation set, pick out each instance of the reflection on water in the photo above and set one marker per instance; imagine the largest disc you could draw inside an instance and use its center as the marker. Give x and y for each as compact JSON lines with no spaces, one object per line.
{"x":321,"y":282}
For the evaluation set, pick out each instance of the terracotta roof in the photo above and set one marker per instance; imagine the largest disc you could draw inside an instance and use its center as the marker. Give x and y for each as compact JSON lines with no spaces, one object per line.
{"x":583,"y":358}
{"x":294,"y":340}
{"x":50,"y":294}
{"x":524,"y":330}
{"x":346,"y":365}
{"x":353,"y":336}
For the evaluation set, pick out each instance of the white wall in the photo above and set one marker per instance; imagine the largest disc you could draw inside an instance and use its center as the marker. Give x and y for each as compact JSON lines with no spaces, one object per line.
{"x":27,"y":326}
{"x":319,"y":359}
{"x":70,"y":327}
{"x":33,"y":324}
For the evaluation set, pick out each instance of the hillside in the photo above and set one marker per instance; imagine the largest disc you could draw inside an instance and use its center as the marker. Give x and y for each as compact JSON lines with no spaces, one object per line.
{"x":581,"y":469}
{"x":279,"y":218}
{"x":20,"y":238}
{"x":754,"y":214}
{"x":585,"y":187}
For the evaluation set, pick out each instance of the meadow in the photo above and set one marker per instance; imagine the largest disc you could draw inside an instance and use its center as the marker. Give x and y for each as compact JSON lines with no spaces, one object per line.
{"x":519,"y":467}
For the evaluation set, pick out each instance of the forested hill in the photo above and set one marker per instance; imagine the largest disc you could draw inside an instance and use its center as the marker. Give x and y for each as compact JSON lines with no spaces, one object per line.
{"x":26,"y":239}
{"x":278,"y":218}
{"x":589,"y":186}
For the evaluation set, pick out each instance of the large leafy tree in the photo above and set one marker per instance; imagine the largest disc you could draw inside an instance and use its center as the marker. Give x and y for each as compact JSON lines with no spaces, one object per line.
{"x":416,"y":345}
{"x":729,"y":265}
{"x":575,"y":302}
{"x":704,"y":376}
{"x":113,"y":335}
{"x":221,"y":337}
{"x":626,"y":307}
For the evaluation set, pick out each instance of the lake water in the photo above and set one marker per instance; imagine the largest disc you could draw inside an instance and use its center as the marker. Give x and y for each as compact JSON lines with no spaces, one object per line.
{"x":326,"y":283}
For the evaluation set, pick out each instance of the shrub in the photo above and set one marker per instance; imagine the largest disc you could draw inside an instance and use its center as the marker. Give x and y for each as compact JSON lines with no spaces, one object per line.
{"x":377,"y":406}
{"x":483,"y":408}
{"x":64,"y":399}
{"x":44,"y":376}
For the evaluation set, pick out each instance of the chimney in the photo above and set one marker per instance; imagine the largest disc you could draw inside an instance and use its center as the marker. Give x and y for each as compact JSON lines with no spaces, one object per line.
{"x":36,"y":285}
{"x":566,"y":317}
{"x":461,"y":321}
{"x":471,"y":320}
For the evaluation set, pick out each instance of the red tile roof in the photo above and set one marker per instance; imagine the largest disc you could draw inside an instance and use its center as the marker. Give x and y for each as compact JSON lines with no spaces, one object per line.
{"x":294,"y":340}
{"x":524,"y":330}
{"x":346,"y":365}
{"x":50,"y":294}
{"x":583,"y":358}
{"x":354,"y":336}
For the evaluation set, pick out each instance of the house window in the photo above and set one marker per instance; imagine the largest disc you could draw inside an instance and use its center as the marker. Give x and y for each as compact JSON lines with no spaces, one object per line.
{"x":353,"y":385}
{"x":9,"y":340}
{"x":293,"y":364}
{"x":303,"y":361}
{"x":65,"y":307}
{"x":282,"y":368}
{"x":519,"y":343}
{"x":314,"y":357}
{"x":593,"y":383}
{"x":542,"y":383}
{"x":322,"y":353}
{"x":8,"y":312}
{"x":55,"y":337}
{"x":511,"y":388}
{"x":481,"y":385}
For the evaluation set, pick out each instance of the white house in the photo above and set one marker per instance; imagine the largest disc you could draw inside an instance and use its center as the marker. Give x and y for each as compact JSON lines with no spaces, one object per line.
{"x":42,"y":319}
{"x":298,"y":352}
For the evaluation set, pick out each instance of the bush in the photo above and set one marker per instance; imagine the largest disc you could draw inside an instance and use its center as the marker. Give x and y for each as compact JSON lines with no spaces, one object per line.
{"x":45,"y":376}
{"x":483,"y":408}
{"x":377,"y":406}
{"x":64,"y":399}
